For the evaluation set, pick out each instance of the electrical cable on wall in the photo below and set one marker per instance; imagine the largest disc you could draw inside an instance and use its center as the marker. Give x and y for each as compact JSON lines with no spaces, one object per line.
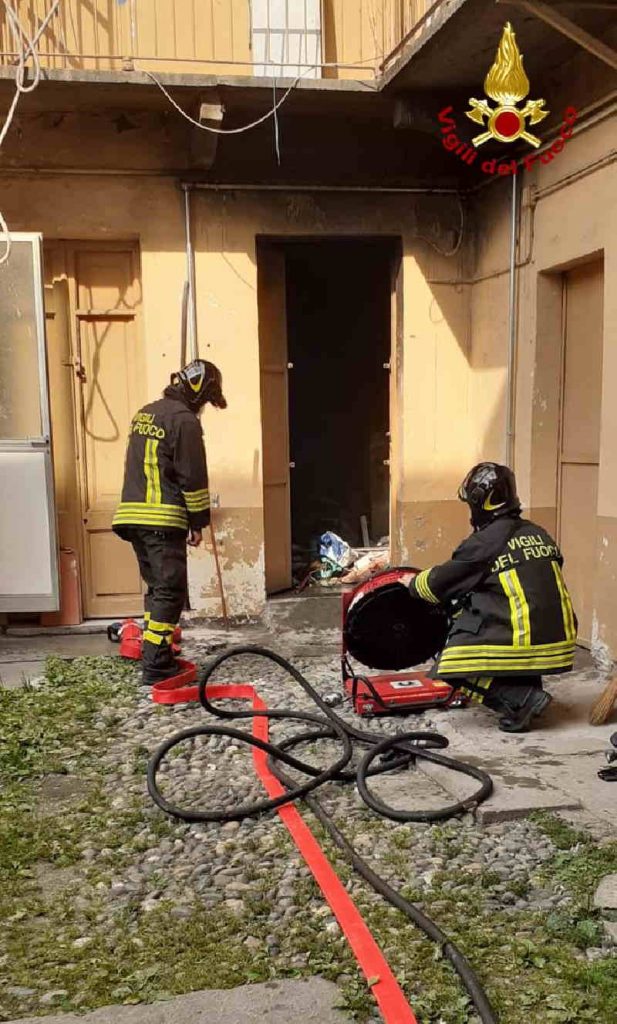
{"x":26,"y":47}
{"x":453,"y":251}
{"x":260,"y":120}
{"x":228,"y":131}
{"x":277,"y":137}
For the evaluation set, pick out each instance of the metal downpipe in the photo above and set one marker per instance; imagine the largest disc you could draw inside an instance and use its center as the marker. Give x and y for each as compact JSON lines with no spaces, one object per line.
{"x":510,"y":379}
{"x":184,"y":323}
{"x":190,"y":273}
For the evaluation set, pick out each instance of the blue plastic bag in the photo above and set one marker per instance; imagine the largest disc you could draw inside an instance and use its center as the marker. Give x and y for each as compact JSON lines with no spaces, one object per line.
{"x":333,"y":549}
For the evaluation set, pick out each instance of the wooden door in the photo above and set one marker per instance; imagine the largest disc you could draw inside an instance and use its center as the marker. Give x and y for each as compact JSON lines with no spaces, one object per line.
{"x":96,"y":368}
{"x":111,"y":384}
{"x":274,"y":415}
{"x":580,"y":434}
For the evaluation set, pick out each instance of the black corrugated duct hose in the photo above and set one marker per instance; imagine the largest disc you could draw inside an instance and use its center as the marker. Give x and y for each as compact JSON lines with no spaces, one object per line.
{"x":394,"y":752}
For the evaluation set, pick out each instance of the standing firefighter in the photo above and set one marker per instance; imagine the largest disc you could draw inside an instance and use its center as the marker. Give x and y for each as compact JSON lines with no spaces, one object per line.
{"x":514,"y":621}
{"x":166,"y":504}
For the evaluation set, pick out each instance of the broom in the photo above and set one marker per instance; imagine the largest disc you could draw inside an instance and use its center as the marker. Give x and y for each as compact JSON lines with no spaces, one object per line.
{"x":601,"y":710}
{"x":219,"y":574}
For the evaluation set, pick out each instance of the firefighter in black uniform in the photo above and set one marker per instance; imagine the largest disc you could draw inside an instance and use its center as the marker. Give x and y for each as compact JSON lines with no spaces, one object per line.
{"x":166,"y":504}
{"x":513,"y":620}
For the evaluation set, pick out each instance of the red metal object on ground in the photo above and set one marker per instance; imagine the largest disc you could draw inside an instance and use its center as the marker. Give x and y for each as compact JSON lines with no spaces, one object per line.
{"x":383,"y":985}
{"x":130,"y":640}
{"x":397,"y":691}
{"x":129,"y":634}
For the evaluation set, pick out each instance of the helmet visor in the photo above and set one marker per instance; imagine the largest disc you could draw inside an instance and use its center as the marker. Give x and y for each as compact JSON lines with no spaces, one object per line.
{"x":463,"y":491}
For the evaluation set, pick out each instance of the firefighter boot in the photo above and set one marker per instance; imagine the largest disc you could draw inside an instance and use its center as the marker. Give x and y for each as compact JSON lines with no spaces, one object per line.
{"x":159,"y":664}
{"x":518,"y":703}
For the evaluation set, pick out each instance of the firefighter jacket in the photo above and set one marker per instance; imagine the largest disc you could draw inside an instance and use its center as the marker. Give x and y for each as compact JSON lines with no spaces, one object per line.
{"x":514,"y":614}
{"x":165,"y":477}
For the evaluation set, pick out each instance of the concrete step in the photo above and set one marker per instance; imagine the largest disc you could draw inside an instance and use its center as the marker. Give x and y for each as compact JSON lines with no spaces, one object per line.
{"x":304,"y":612}
{"x":307,"y":1001}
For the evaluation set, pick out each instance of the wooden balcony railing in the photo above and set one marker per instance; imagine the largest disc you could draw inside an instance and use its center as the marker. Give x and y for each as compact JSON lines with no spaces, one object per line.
{"x":358,"y":38}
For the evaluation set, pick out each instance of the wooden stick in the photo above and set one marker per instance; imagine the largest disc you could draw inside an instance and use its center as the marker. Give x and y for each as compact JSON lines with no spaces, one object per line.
{"x":218,"y":573}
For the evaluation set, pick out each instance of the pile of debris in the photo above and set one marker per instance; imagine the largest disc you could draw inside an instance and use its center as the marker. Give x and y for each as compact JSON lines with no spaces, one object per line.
{"x":337,"y":563}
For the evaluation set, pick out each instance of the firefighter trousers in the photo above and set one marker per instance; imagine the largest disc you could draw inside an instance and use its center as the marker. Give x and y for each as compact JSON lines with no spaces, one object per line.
{"x":493,"y":690}
{"x":163,"y":566}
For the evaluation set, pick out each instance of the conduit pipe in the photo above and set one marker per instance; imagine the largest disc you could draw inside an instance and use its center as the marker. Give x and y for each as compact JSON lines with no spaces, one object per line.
{"x":510,"y":402}
{"x":212,"y":186}
{"x":190,"y":274}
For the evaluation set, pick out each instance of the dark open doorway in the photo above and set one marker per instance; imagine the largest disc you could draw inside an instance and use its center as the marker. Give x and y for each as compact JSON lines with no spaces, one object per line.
{"x":338,"y":299}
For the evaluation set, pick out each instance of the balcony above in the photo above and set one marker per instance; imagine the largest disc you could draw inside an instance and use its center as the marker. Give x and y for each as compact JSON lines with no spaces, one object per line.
{"x":367,"y":114}
{"x":254,"y":38}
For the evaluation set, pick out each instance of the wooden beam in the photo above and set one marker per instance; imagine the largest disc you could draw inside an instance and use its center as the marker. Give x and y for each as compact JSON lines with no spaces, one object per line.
{"x":567,"y":28}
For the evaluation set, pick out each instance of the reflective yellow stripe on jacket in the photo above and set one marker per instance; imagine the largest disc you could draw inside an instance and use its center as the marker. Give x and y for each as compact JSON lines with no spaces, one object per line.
{"x":152,"y":473}
{"x":197,"y":501}
{"x":566,"y":604}
{"x":490,"y":658}
{"x":423,"y":589}
{"x":140,"y":513}
{"x":519,"y":609}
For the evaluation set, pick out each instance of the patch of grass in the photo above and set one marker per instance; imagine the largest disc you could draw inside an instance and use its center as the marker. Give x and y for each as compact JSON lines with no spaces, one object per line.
{"x":488,"y":879}
{"x":562,"y":835}
{"x":520,"y":887}
{"x":51,"y":730}
{"x":580,"y":863}
{"x":55,"y":730}
{"x":134,"y":960}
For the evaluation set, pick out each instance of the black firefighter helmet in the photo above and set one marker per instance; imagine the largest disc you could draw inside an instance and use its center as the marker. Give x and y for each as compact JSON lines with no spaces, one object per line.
{"x":200,"y":382}
{"x":490,"y":491}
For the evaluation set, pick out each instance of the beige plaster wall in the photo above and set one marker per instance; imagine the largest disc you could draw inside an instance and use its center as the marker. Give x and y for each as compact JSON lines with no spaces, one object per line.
{"x":431,"y":388}
{"x":569,"y":215}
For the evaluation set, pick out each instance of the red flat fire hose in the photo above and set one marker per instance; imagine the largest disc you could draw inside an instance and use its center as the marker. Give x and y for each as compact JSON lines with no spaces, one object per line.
{"x":384,"y":986}
{"x":283,"y":792}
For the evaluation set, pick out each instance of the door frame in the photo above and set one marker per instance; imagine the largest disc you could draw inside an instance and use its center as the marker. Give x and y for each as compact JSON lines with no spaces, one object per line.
{"x":546,"y":421}
{"x":277,"y":563}
{"x":594,"y":258}
{"x":395,"y":243}
{"x":561,"y":392}
{"x":561,"y":274}
{"x":547,"y":410}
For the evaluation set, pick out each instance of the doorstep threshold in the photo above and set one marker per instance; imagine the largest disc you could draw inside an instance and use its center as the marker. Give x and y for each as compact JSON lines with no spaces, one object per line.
{"x":91,"y":627}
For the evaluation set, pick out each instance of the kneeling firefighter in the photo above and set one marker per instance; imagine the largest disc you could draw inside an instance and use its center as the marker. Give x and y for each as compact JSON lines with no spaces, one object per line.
{"x":514,"y":620}
{"x":166,"y":504}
